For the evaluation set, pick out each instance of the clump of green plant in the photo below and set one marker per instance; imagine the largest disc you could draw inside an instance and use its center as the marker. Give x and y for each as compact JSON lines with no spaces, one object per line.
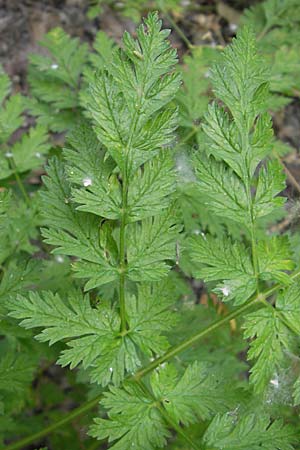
{"x":276,"y":24}
{"x":22,"y":153}
{"x":128,"y":320}
{"x":55,"y":80}
{"x":133,"y":9}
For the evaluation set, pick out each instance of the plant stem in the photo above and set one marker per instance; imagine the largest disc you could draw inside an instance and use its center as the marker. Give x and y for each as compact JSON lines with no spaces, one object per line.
{"x":175,"y":350}
{"x":166,"y":416}
{"x":190,"y":135}
{"x":123,"y":254}
{"x":19,"y":181}
{"x":290,"y":176}
{"x":175,"y":26}
{"x":177,"y":428}
{"x":169,"y":354}
{"x":254,"y":253}
{"x":65,"y":420}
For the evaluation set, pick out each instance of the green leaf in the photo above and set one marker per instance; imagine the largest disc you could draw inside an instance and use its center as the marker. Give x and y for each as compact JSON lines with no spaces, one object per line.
{"x":219,"y":259}
{"x":150,"y":315}
{"x":255,"y":431}
{"x":273,"y":331}
{"x":101,"y":58}
{"x":135,"y":417}
{"x":198,"y":394}
{"x":271,"y":181}
{"x":17,"y":227}
{"x":64,"y":63}
{"x":288,"y":304}
{"x":193,"y":98}
{"x":126,"y":100}
{"x":16,"y":372}
{"x":225,"y":193}
{"x":55,"y":80}
{"x":76,"y":233}
{"x":10,"y":117}
{"x":133,"y":420}
{"x":150,"y":244}
{"x":151,"y":187}
{"x":240,"y":82}
{"x":97,"y":190}
{"x":30,"y":151}
{"x":47,"y":115}
{"x":19,"y":275}
{"x":94,"y":332}
{"x":274,"y":256}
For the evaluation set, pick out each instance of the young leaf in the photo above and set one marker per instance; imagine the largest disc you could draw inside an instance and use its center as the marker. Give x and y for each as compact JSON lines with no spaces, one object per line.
{"x":219,"y":259}
{"x":16,"y":372}
{"x":126,"y":100}
{"x":150,"y":244}
{"x":134,"y":421}
{"x":94,"y":333}
{"x":274,"y":258}
{"x":97,"y":190}
{"x":198,"y":394}
{"x":135,"y":417}
{"x":151,"y":188}
{"x":77,"y":233}
{"x":273,"y":333}
{"x":226,"y":194}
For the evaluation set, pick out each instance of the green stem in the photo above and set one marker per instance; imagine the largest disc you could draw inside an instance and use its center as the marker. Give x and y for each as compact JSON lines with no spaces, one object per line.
{"x":263,"y":32}
{"x":19,"y":181}
{"x":177,"y":428}
{"x":35,"y":437}
{"x":281,"y":317}
{"x":166,"y":416}
{"x":190,"y":135}
{"x":141,"y":373}
{"x":254,"y":253}
{"x":175,"y":350}
{"x":175,"y":26}
{"x":122,"y":267}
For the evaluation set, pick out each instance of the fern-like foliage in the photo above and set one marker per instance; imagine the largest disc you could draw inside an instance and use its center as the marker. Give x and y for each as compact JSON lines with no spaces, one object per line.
{"x":110,"y":206}
{"x":55,"y":80}
{"x":249,"y":431}
{"x":238,"y":139}
{"x":136,"y":417}
{"x":27,"y":153}
{"x":276,"y":24}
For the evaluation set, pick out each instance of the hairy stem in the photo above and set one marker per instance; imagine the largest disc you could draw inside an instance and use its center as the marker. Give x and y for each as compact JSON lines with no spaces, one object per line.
{"x":177,"y":428}
{"x":64,"y":421}
{"x":19,"y":181}
{"x":173,"y":351}
{"x":175,"y":26}
{"x":122,"y":267}
{"x":167,"y":417}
